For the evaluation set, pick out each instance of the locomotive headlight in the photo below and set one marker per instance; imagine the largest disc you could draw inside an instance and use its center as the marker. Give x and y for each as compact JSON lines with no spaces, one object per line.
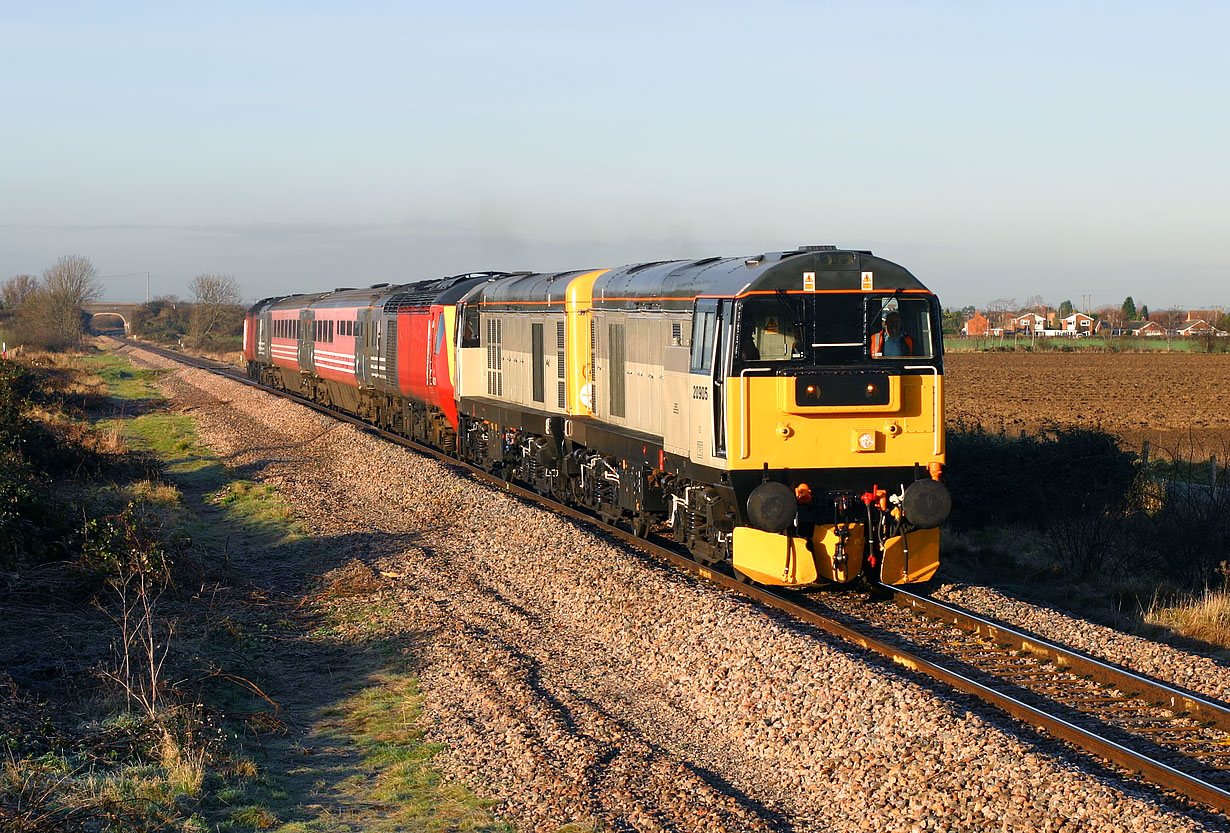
{"x":863,"y":440}
{"x":872,"y":390}
{"x":812,"y":392}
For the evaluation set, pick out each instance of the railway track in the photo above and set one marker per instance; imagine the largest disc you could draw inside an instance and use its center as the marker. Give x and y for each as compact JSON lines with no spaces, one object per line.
{"x":1176,"y":740}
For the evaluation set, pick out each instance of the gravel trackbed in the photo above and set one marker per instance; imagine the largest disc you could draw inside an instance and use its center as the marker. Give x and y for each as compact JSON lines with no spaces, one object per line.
{"x":573,"y":681}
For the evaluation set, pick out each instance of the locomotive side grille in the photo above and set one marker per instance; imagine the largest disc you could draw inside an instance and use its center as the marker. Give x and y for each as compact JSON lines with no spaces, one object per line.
{"x":390,"y":351}
{"x":495,"y":379}
{"x":593,"y":362}
{"x":616,"y":349}
{"x":559,"y":364}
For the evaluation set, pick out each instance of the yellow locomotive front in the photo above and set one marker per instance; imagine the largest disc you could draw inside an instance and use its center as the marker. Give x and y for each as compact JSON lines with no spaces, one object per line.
{"x":834,"y":432}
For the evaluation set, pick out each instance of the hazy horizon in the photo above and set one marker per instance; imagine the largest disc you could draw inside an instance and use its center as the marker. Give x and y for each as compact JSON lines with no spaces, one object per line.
{"x":1054,"y":150}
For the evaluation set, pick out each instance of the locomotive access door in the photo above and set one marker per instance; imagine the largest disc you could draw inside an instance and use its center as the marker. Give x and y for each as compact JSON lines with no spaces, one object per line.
{"x":707,"y":380}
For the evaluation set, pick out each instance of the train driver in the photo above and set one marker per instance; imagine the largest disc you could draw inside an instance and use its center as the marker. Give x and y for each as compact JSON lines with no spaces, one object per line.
{"x":891,"y":341}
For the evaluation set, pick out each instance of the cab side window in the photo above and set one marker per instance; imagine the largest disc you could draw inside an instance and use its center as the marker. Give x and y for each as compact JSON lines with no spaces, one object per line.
{"x":704,"y":333}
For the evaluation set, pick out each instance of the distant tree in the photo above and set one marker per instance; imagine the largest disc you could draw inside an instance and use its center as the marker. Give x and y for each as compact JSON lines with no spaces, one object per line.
{"x":953,"y":319}
{"x":163,"y":319}
{"x":1170,"y":319}
{"x":17,"y":290}
{"x":52,"y":316}
{"x":1144,"y":312}
{"x":1037,"y":304}
{"x":1000,"y":310}
{"x":216,"y":306}
{"x":1065,"y":309}
{"x":969,"y":310}
{"x":1129,"y":309}
{"x":1111,"y":314}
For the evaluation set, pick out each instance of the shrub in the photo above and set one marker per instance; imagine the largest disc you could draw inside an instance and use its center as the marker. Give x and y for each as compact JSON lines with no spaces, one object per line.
{"x":1072,"y":485}
{"x":1059,"y":472}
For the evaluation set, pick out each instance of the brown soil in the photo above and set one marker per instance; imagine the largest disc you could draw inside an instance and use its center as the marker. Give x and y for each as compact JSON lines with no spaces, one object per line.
{"x":1179,"y":402}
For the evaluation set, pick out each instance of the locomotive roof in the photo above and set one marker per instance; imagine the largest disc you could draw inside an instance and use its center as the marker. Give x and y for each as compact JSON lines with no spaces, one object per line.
{"x":668,"y":284}
{"x":675,"y":284}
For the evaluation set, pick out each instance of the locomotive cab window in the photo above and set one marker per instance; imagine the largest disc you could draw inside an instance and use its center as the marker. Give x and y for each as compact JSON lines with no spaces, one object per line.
{"x":772,"y":329}
{"x":900,"y":328}
{"x":704,"y":335}
{"x":469,"y":326}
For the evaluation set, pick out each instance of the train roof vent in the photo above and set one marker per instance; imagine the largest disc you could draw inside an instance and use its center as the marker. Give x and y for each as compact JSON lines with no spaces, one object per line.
{"x":402,"y":301}
{"x":378,"y":286}
{"x":342,"y":288}
{"x":825,"y":248}
{"x":754,"y":261}
{"x":638,"y":267}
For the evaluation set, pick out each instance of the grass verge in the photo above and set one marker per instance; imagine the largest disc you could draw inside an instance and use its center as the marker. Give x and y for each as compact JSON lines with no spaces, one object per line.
{"x":201,"y":698}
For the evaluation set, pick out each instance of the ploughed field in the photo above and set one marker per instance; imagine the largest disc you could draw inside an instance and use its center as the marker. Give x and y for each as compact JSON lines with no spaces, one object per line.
{"x":1180,"y":402}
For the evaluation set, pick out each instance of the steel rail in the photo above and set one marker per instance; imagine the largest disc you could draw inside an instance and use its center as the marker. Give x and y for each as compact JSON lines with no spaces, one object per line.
{"x":1106,"y":673}
{"x":1157,"y":772}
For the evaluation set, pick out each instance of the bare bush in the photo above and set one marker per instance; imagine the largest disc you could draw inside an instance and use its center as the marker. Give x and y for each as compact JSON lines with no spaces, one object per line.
{"x":216,"y":307}
{"x":17,"y":290}
{"x":52,"y":315}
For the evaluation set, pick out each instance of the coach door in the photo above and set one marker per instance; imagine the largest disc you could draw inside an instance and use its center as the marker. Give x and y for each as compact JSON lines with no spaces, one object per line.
{"x":264,"y":323}
{"x":307,"y":340}
{"x":362,"y":347}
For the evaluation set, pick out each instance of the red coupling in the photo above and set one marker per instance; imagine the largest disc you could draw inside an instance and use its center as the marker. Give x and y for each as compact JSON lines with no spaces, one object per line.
{"x":877,"y":496}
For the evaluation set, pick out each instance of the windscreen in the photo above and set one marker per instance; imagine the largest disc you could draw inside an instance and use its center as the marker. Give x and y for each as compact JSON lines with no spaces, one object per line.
{"x":900,"y":328}
{"x":832,"y":329}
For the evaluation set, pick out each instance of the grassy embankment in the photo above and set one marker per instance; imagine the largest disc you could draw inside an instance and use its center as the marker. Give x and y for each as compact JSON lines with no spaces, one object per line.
{"x":192,"y":686}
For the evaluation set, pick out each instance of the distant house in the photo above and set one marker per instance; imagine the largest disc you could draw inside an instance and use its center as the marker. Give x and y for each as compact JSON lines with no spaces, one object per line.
{"x":1200,"y":327}
{"x":976,"y":325}
{"x":1132,"y":328}
{"x":1028,"y":323}
{"x":1078,"y":323}
{"x":1145,"y":328}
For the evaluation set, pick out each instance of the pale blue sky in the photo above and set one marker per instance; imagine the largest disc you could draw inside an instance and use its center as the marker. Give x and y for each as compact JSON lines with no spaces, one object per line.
{"x":1054,"y":149}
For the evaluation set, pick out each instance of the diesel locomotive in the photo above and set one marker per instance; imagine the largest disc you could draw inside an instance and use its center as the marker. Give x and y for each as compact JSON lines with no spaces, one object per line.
{"x":781,"y":413}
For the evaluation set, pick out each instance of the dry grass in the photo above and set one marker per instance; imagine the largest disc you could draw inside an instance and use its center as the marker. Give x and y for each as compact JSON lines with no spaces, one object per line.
{"x":153,"y":491}
{"x":1203,"y":616}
